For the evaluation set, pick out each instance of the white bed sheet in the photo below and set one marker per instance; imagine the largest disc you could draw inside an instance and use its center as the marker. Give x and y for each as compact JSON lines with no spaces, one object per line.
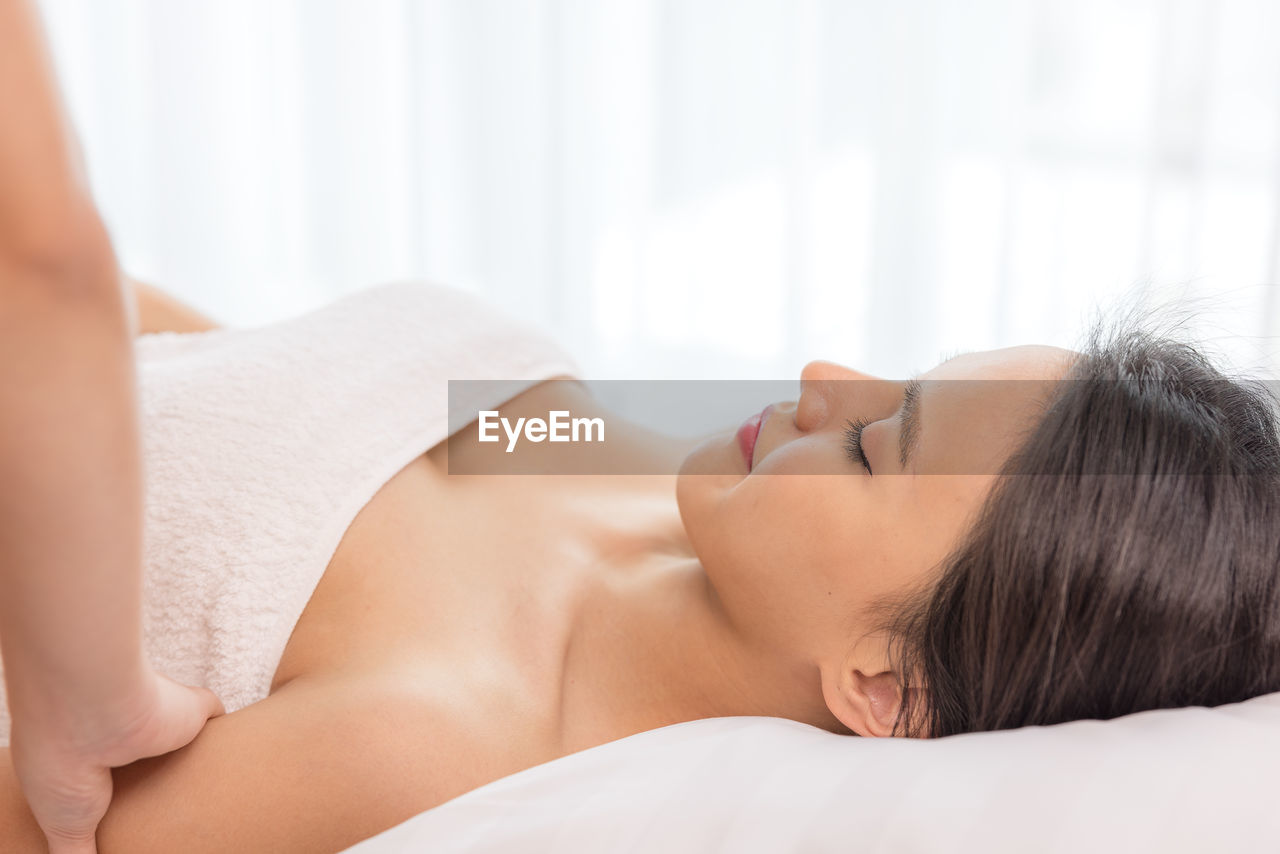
{"x":1189,"y":780}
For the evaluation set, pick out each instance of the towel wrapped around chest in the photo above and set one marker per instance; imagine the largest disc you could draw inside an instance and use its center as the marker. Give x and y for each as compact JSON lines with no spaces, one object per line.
{"x":260,"y":446}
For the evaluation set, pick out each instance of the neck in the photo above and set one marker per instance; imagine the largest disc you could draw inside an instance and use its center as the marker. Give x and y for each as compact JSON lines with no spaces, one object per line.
{"x":651,"y":646}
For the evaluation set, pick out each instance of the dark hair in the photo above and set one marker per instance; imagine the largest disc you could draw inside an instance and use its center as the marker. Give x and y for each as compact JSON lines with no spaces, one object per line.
{"x":1129,"y":560}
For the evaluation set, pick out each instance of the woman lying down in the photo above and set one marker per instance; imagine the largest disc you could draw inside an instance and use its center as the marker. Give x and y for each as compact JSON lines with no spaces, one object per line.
{"x":1095,"y":533}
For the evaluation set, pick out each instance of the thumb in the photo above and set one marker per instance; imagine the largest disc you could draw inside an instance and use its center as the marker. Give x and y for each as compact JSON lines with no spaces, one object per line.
{"x":209,"y":702}
{"x":179,"y":713}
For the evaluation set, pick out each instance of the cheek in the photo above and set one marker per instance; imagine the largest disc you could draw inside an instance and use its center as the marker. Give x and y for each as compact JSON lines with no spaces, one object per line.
{"x":901,"y":542}
{"x":778,"y":549}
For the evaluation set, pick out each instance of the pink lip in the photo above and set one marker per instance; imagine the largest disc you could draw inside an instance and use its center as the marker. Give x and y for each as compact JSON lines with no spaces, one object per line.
{"x":749,"y":432}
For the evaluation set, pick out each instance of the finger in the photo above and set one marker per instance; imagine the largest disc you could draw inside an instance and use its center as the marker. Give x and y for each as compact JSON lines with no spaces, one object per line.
{"x":184,"y":711}
{"x":205,"y":699}
{"x":205,"y":703}
{"x":213,"y":705}
{"x":63,"y":845}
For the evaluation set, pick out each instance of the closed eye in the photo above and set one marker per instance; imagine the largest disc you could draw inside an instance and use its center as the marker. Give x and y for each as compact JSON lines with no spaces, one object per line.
{"x":853,"y":443}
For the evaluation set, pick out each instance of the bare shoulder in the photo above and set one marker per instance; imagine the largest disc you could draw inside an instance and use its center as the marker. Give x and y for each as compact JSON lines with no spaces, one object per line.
{"x":159,"y":311}
{"x":317,"y":766}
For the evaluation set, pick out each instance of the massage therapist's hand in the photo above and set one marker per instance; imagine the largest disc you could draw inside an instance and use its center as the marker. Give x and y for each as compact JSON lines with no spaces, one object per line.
{"x":66,"y":771}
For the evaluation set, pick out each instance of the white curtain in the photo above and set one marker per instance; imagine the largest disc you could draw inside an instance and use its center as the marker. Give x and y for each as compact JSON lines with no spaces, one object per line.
{"x":698,"y":188}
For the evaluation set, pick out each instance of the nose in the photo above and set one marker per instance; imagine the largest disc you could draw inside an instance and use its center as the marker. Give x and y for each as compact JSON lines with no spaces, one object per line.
{"x":820,"y":369}
{"x":819,"y":381}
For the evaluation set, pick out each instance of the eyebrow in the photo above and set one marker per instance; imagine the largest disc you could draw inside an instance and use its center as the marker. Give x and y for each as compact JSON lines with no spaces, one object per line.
{"x":909,"y":435}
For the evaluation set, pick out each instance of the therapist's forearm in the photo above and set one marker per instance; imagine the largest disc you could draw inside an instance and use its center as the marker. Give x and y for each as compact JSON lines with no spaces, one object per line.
{"x":44,"y":198}
{"x":70,"y":497}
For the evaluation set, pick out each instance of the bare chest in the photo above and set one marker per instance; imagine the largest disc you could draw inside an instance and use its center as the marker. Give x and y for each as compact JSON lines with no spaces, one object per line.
{"x":437,"y":574}
{"x":463,"y":591}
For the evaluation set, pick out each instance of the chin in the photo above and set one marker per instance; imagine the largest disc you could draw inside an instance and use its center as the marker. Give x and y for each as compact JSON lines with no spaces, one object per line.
{"x":694,"y":462}
{"x":705,"y":477}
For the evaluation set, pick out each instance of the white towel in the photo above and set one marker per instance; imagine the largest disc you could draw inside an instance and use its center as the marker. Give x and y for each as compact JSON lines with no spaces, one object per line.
{"x":261,"y":445}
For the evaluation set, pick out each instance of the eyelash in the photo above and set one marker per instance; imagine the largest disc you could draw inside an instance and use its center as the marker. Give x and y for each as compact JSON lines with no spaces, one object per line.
{"x":853,"y":443}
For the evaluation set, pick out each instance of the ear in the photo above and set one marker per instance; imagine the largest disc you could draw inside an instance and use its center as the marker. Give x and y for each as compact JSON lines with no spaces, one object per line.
{"x":866,"y":703}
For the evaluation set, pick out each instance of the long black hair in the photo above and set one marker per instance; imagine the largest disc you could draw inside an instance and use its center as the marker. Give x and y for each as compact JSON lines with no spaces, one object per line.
{"x":1128,"y":559}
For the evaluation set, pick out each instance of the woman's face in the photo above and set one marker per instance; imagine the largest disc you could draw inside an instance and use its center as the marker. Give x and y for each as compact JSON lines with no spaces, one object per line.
{"x":799,"y":541}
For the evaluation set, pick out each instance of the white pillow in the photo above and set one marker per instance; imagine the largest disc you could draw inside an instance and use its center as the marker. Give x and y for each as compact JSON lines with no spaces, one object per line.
{"x":1191,"y":779}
